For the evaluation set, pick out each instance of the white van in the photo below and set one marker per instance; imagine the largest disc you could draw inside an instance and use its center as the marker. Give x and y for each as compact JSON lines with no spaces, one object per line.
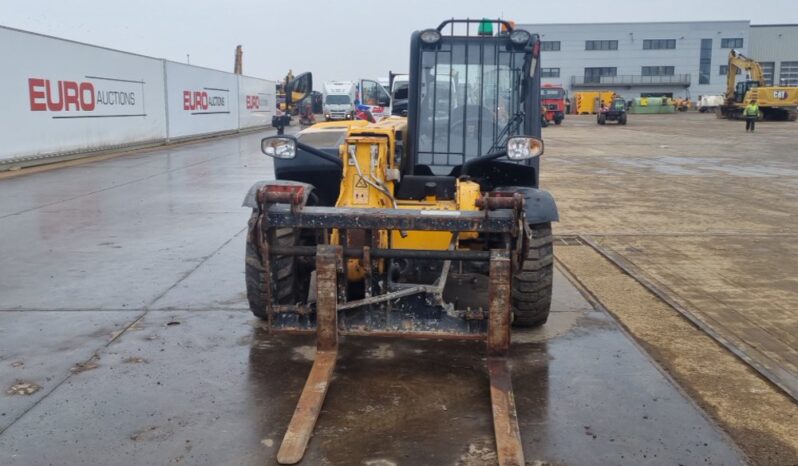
{"x":339,"y":100}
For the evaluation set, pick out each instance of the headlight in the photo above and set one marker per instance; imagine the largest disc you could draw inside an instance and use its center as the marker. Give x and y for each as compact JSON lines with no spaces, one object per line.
{"x":520,"y":37}
{"x":279,"y":147}
{"x":430,"y":36}
{"x":522,"y":148}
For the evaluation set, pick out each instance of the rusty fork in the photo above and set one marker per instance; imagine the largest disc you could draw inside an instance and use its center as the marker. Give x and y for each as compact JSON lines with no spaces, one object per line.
{"x":505,"y":418}
{"x":329,"y":260}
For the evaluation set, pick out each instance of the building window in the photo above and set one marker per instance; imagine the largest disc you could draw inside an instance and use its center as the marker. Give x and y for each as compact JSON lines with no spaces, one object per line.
{"x":594,"y":75}
{"x":788,"y":75}
{"x":658,"y":71}
{"x":601,"y":45}
{"x":705,"y":62}
{"x":768,"y":68}
{"x":736,"y":43}
{"x":724,"y":70}
{"x":550,"y":45}
{"x":659,"y":44}
{"x":549,"y":72}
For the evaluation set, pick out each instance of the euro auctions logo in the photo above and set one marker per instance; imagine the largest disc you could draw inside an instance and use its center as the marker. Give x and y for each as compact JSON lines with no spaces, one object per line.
{"x":207,"y":101}
{"x":90,"y":97}
{"x":258,"y":103}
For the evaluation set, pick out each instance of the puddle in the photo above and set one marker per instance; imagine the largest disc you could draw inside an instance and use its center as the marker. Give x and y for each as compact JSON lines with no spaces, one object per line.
{"x":305,"y":352}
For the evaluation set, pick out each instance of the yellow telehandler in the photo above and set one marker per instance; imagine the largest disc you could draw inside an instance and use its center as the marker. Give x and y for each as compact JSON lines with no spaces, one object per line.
{"x":368,"y":222}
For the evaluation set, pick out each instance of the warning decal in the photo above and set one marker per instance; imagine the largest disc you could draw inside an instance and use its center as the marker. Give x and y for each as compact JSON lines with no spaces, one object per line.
{"x":361,"y":191}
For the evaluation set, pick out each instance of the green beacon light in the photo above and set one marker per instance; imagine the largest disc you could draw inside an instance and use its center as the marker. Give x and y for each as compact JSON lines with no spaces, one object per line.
{"x":485,"y":27}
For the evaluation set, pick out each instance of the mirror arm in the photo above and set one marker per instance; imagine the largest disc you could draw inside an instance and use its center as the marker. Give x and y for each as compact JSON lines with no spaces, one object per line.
{"x":484,"y":158}
{"x":320,"y":154}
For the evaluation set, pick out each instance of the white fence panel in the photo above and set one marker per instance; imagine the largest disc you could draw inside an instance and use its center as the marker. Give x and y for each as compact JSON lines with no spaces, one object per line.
{"x":62,"y":96}
{"x":256,"y":102}
{"x":200,"y":100}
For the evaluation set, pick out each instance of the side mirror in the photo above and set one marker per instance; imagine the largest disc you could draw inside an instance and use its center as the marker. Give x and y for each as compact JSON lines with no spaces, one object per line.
{"x":385,"y":101}
{"x":279,"y":147}
{"x":299,"y":88}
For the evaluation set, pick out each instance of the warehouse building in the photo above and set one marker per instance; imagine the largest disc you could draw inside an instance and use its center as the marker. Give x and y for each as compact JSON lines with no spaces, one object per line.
{"x":675,"y":59}
{"x":775,"y":47}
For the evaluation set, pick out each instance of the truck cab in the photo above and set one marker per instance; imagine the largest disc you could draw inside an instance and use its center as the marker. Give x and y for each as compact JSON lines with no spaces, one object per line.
{"x":553,"y":97}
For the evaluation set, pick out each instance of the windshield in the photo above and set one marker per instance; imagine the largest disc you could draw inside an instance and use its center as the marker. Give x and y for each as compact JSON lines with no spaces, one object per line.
{"x":400,"y":90}
{"x":551,"y":93}
{"x":337,"y":99}
{"x":469,"y":95}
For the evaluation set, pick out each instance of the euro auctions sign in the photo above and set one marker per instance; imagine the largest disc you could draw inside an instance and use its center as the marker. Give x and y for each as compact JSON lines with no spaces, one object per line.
{"x":87,"y":97}
{"x":206,"y":101}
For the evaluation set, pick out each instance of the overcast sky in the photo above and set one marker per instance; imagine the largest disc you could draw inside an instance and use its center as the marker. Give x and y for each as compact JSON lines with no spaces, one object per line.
{"x":340,"y":39}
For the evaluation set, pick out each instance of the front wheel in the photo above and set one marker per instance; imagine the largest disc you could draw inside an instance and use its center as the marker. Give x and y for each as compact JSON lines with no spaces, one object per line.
{"x":289,"y":282}
{"x":532,"y":285}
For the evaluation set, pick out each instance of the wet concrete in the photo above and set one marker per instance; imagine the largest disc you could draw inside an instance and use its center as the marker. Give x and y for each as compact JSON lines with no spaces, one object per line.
{"x":125,"y":305}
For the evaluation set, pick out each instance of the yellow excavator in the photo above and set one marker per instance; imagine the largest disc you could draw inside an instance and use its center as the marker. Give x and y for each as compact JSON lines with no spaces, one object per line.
{"x":777,"y":103}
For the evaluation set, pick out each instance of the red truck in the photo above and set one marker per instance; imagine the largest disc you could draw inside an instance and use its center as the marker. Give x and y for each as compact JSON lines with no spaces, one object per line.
{"x":552,"y":98}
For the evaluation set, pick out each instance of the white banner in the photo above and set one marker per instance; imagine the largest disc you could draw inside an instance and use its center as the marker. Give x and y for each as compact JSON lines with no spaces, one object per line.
{"x":256,"y":102}
{"x":62,"y":96}
{"x":200,"y":101}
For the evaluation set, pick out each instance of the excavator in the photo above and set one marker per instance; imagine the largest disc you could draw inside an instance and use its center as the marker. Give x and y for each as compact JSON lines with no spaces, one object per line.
{"x":777,"y":103}
{"x":370,"y":226}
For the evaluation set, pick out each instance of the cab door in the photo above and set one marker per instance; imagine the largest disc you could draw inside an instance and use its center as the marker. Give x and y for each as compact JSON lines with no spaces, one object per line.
{"x":374,"y":96}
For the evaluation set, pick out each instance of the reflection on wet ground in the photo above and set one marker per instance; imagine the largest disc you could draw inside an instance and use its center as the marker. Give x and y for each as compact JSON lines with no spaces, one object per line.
{"x":128,"y":313}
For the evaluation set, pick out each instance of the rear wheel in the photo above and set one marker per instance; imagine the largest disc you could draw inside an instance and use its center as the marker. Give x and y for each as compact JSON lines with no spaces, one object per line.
{"x":602,"y":119}
{"x":531,"y":287}
{"x":285,"y":287}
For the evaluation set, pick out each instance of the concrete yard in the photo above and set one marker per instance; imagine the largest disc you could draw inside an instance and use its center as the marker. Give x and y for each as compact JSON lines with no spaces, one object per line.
{"x":125,"y":336}
{"x":706,"y":214}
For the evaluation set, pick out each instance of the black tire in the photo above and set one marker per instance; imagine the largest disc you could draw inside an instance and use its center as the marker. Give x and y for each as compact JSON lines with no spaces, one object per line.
{"x":622,"y":119}
{"x":531,"y":287}
{"x":284,"y":274}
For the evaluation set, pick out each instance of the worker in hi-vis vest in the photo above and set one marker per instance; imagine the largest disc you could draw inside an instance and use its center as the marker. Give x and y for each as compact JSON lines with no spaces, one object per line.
{"x":751,"y":113}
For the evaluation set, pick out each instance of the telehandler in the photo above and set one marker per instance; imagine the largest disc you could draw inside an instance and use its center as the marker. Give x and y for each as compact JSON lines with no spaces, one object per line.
{"x":368,"y":222}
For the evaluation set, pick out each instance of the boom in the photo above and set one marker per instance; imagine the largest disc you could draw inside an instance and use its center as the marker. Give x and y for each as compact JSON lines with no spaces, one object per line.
{"x":738,"y":61}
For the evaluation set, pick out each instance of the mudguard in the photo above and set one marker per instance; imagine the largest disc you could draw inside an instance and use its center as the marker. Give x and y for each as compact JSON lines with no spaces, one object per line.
{"x":539,"y":205}
{"x":251,"y":199}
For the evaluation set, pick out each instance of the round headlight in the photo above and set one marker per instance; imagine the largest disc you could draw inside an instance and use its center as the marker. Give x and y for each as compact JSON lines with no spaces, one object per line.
{"x":430,"y":36}
{"x":522,"y":148}
{"x":520,"y":37}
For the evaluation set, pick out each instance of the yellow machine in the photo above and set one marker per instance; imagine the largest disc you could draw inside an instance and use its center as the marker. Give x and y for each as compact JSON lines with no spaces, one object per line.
{"x":368,"y":226}
{"x":589,"y":102}
{"x":681,"y":105}
{"x":775,"y":102}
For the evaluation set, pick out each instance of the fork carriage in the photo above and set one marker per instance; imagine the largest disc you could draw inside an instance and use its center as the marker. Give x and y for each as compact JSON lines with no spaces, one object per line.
{"x":386,"y":307}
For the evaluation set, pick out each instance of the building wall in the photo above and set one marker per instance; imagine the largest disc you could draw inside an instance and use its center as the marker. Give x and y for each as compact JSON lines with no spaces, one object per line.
{"x":777,"y":44}
{"x":572,"y":59}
